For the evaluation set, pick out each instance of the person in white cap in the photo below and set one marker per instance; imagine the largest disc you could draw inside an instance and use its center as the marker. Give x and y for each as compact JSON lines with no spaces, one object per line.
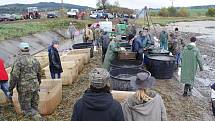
{"x":144,"y":105}
{"x":26,"y":77}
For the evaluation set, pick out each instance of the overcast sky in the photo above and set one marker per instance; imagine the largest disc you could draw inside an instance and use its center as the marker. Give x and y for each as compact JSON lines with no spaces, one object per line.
{"x":124,"y":3}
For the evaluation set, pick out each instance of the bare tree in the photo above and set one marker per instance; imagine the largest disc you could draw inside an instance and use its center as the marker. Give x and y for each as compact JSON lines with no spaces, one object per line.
{"x":102,"y":3}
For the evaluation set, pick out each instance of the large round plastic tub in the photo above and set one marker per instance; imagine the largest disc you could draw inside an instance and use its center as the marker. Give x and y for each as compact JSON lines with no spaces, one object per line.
{"x":160,"y":66}
{"x":158,"y":52}
{"x":84,"y":46}
{"x":121,"y":77}
{"x":126,"y":64}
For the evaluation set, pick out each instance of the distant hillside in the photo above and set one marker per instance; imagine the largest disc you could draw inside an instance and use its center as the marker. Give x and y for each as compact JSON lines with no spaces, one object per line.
{"x":42,"y":6}
{"x":202,"y":7}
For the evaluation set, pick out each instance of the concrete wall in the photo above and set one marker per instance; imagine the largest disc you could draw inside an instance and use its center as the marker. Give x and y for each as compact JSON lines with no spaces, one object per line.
{"x":38,"y":42}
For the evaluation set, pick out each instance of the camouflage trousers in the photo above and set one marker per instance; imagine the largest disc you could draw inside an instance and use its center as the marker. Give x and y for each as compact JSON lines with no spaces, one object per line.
{"x":29,"y":103}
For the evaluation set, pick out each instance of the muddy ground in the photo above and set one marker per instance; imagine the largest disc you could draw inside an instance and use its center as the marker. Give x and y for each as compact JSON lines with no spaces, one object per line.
{"x":178,"y":107}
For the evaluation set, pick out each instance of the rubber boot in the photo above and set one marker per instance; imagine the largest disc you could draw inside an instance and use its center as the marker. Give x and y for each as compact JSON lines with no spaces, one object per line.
{"x":185,"y":90}
{"x":189,"y":93}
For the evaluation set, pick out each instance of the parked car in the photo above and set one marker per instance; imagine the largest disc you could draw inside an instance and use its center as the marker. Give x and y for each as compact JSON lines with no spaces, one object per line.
{"x":126,"y":16}
{"x":110,"y":16}
{"x":94,"y":16}
{"x":73,"y":13}
{"x":52,"y":15}
{"x":7,"y":17}
{"x":101,"y":16}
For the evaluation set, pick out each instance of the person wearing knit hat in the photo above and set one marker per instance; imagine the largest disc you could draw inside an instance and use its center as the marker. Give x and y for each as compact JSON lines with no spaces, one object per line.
{"x":144,"y":105}
{"x":97,"y":103}
{"x":54,"y":60}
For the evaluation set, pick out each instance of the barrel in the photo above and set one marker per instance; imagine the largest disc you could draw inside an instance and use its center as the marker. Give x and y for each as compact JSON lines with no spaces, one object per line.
{"x":161,"y":66}
{"x":121,"y":77}
{"x":158,"y":52}
{"x":83,"y":46}
{"x":126,"y":64}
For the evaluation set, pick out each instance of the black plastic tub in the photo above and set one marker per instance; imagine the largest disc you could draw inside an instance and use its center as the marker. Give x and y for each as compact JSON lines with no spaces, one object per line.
{"x":158,"y":52}
{"x":126,"y":64}
{"x":121,"y":77}
{"x":161,"y":66}
{"x":84,"y":46}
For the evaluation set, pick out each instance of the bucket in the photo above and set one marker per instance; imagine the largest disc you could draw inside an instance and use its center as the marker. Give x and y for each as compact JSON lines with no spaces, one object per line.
{"x":160,"y":66}
{"x":50,"y":96}
{"x":121,"y":77}
{"x":84,"y":46}
{"x":126,"y":64}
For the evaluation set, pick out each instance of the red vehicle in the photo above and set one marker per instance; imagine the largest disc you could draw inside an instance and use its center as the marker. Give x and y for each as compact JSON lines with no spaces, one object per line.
{"x":32,"y":13}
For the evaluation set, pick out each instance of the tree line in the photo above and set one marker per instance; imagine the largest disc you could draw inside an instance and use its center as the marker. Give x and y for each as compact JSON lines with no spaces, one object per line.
{"x":181,"y":12}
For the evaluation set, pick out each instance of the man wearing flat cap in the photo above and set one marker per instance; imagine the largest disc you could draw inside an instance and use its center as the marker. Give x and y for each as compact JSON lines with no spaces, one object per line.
{"x":97,"y":103}
{"x":26,"y":77}
{"x":144,"y":105}
{"x":54,"y":60}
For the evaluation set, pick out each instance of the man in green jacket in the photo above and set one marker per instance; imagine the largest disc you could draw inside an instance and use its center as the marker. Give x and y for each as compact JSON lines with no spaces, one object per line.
{"x":191,"y":59}
{"x":111,"y":53}
{"x":164,"y":40}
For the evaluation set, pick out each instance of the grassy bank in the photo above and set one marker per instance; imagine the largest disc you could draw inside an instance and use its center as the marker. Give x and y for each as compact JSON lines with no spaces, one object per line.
{"x":166,"y":20}
{"x":19,"y":29}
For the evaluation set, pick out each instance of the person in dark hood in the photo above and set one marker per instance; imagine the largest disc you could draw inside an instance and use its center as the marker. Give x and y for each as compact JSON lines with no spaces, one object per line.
{"x":54,"y":60}
{"x":97,"y":103}
{"x":144,"y":105}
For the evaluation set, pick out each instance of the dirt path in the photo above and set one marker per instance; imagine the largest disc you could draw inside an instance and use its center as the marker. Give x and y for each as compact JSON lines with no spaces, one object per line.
{"x":180,"y":108}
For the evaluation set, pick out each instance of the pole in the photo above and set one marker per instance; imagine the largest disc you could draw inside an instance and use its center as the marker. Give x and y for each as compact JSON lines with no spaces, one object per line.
{"x":172,"y":3}
{"x":62,"y":8}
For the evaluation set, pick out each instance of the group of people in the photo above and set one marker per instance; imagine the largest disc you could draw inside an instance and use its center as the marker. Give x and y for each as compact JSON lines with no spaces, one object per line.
{"x":97,"y":102}
{"x":187,"y":56}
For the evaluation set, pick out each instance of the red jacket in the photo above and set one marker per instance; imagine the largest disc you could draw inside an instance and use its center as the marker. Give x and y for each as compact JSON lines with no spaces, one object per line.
{"x":3,"y":73}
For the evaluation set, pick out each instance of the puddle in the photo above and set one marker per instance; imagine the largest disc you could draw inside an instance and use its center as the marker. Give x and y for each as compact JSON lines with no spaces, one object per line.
{"x":206,"y":28}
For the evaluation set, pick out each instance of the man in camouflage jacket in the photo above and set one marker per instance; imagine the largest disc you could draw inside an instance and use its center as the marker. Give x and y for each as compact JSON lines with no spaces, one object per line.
{"x":26,"y":77}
